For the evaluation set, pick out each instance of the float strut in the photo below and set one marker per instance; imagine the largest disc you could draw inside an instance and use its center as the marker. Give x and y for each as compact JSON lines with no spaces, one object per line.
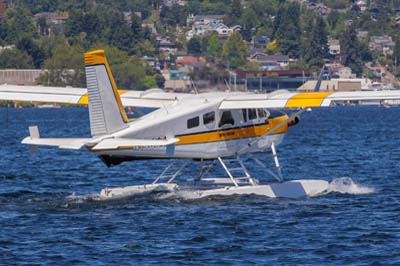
{"x":276,"y":160}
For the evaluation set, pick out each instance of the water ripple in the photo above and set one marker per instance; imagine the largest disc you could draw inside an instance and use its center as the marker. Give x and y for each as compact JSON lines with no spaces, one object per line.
{"x":50,"y":212}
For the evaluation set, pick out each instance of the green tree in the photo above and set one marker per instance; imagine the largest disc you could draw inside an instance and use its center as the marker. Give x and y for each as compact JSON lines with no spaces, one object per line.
{"x":333,"y":19}
{"x":236,"y":11}
{"x":15,"y":59}
{"x":160,"y":80}
{"x":234,"y":50}
{"x":65,"y":67}
{"x":214,"y":48}
{"x":272,"y":47}
{"x":365,"y":52}
{"x":396,"y":51}
{"x":145,"y":48}
{"x":136,"y":27}
{"x":18,"y":24}
{"x":286,"y":29}
{"x":194,"y":46}
{"x":349,"y":47}
{"x":315,"y":41}
{"x":43,"y":27}
{"x":129,"y":72}
{"x":249,"y":22}
{"x":29,"y":46}
{"x":102,"y":23}
{"x":149,"y":82}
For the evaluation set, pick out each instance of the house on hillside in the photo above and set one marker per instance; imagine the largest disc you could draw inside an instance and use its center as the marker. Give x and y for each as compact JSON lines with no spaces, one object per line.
{"x":201,"y":25}
{"x":260,"y":41}
{"x":223,"y":30}
{"x":171,"y":3}
{"x":382,"y":44}
{"x":397,"y":19}
{"x":165,"y":46}
{"x":50,"y":23}
{"x":362,"y":35}
{"x":319,"y":8}
{"x":362,"y":5}
{"x":334,"y":47}
{"x":269,"y":62}
{"x":190,"y":62}
{"x":204,"y":19}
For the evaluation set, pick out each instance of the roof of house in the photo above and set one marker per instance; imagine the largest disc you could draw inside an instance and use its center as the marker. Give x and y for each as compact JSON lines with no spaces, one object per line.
{"x":209,"y":17}
{"x":262,"y":57}
{"x":191,"y":60}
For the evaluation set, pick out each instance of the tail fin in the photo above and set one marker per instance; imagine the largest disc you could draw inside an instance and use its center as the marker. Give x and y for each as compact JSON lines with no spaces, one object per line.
{"x":106,"y":112}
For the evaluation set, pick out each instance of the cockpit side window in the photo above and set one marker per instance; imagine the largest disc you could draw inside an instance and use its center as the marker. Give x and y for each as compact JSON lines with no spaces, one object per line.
{"x":193,"y":122}
{"x":226,"y":119}
{"x":252,"y":114}
{"x":261,"y":113}
{"x":208,"y":118}
{"x":244,"y":112}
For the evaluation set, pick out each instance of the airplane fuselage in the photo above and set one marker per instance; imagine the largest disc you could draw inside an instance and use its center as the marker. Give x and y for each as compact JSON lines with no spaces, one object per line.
{"x":204,"y":132}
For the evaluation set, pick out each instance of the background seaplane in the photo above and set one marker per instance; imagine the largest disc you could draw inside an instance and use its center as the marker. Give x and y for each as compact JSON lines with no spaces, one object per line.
{"x":217,"y":128}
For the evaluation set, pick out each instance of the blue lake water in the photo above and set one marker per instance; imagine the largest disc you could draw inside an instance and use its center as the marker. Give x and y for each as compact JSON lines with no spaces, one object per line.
{"x":47,"y":217}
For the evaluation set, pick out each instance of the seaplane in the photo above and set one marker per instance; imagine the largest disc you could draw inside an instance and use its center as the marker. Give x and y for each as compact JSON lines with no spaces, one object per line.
{"x":214,"y":129}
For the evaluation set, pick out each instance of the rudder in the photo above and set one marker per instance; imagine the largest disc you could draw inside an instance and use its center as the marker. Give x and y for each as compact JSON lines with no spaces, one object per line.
{"x":106,"y":112}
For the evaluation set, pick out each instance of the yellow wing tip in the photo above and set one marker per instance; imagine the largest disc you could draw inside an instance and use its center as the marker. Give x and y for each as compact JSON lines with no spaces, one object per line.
{"x":95,"y":57}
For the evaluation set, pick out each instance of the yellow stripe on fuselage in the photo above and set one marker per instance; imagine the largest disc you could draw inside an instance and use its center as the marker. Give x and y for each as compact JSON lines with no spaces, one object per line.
{"x":308,"y":99}
{"x":236,"y":133}
{"x":227,"y":134}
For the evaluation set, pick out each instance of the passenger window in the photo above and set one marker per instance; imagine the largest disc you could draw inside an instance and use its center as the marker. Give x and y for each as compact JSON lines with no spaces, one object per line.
{"x":252,"y":114}
{"x":193,"y":122}
{"x":208,"y":118}
{"x":226,"y":119}
{"x":261,"y":113}
{"x":244,"y":112}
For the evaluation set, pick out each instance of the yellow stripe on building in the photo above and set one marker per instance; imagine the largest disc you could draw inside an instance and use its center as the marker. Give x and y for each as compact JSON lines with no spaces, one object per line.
{"x":308,"y":99}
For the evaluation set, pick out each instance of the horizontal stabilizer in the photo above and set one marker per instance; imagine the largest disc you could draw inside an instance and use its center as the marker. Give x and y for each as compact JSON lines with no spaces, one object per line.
{"x":120,"y":143}
{"x":62,"y":143}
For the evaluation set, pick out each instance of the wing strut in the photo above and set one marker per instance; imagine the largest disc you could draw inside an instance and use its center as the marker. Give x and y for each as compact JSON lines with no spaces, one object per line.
{"x":269,"y":132}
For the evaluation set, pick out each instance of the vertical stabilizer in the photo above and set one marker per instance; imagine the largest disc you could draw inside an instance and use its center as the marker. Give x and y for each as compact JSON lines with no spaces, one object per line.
{"x":106,"y":112}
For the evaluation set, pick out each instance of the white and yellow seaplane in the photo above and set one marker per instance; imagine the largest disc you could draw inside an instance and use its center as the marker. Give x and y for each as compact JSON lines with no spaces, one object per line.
{"x":216,"y":128}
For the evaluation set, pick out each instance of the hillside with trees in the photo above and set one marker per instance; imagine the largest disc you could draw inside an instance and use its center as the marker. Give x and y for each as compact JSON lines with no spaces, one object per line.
{"x":53,"y":35}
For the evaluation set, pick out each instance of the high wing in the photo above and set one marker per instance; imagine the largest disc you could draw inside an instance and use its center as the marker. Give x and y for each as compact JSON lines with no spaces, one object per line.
{"x":285,"y":99}
{"x":156,"y":98}
{"x":153,"y":98}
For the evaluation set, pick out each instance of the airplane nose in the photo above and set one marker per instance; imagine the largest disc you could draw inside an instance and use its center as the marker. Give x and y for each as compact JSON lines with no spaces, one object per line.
{"x":294,"y":121}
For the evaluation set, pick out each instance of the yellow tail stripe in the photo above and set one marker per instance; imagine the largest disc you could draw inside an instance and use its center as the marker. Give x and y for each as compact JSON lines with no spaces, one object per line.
{"x":98,"y":57}
{"x":309,"y":99}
